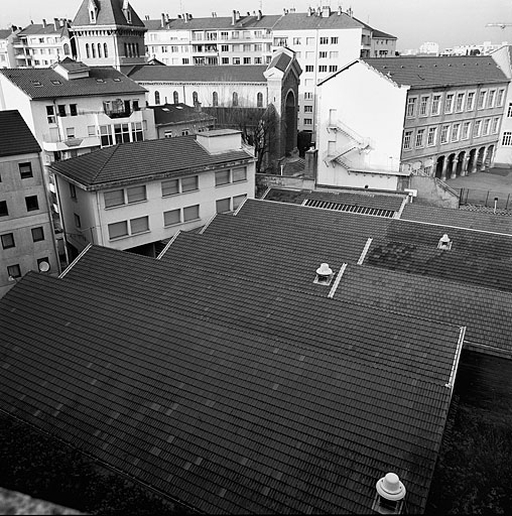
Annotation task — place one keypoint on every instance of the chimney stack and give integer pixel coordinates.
(238, 16)
(56, 24)
(233, 17)
(44, 23)
(326, 11)
(260, 15)
(390, 495)
(162, 22)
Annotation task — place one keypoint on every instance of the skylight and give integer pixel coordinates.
(37, 83)
(117, 79)
(56, 82)
(100, 80)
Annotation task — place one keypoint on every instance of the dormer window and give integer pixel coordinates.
(127, 11)
(324, 275)
(445, 244)
(93, 12)
(92, 16)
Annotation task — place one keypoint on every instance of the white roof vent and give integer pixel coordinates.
(323, 274)
(444, 243)
(390, 495)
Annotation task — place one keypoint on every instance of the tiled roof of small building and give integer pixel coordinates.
(110, 12)
(143, 161)
(227, 393)
(229, 74)
(43, 83)
(177, 113)
(16, 138)
(429, 72)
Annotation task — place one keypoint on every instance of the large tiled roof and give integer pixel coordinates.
(231, 394)
(43, 83)
(429, 72)
(16, 137)
(218, 22)
(230, 74)
(110, 12)
(302, 21)
(177, 113)
(5, 33)
(39, 28)
(143, 161)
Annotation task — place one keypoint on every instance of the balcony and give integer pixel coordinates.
(54, 142)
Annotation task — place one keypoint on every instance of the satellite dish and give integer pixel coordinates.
(416, 165)
(44, 266)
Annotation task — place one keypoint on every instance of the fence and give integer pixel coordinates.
(486, 198)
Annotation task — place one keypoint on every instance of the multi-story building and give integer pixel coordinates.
(7, 58)
(109, 33)
(137, 195)
(41, 45)
(436, 116)
(323, 39)
(26, 232)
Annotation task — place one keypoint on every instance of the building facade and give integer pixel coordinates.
(26, 231)
(137, 195)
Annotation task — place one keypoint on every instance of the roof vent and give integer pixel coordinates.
(323, 275)
(444, 243)
(390, 495)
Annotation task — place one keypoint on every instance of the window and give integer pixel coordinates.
(499, 98)
(106, 135)
(322, 68)
(221, 177)
(432, 136)
(238, 200)
(444, 133)
(37, 234)
(297, 41)
(407, 139)
(481, 99)
(32, 203)
(50, 115)
(93, 51)
(236, 60)
(91, 130)
(310, 68)
(477, 128)
(185, 61)
(105, 50)
(235, 99)
(224, 48)
(70, 132)
(491, 98)
(170, 187)
(61, 110)
(310, 41)
(172, 217)
(122, 133)
(308, 95)
(324, 41)
(507, 138)
(239, 174)
(466, 126)
(459, 102)
(448, 106)
(136, 194)
(424, 106)
(455, 132)
(189, 184)
(14, 271)
(334, 40)
(185, 132)
(333, 68)
(72, 191)
(139, 225)
(72, 110)
(308, 121)
(87, 50)
(436, 105)
(25, 170)
(225, 60)
(78, 222)
(137, 132)
(117, 230)
(247, 60)
(470, 101)
(215, 99)
(157, 97)
(223, 205)
(114, 198)
(3, 209)
(420, 134)
(322, 55)
(509, 110)
(191, 213)
(495, 125)
(486, 126)
(308, 109)
(411, 107)
(195, 97)
(7, 240)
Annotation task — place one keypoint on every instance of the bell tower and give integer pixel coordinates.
(108, 33)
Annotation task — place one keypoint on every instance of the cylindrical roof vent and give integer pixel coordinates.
(390, 495)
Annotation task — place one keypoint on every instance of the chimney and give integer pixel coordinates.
(238, 16)
(390, 495)
(162, 22)
(260, 15)
(185, 17)
(233, 17)
(310, 167)
(56, 24)
(444, 243)
(326, 11)
(323, 274)
(339, 10)
(44, 23)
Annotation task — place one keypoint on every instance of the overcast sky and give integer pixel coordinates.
(447, 22)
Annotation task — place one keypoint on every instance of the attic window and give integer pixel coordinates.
(324, 275)
(444, 243)
(37, 83)
(92, 15)
(56, 82)
(100, 80)
(117, 79)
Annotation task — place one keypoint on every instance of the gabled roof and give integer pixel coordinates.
(229, 393)
(218, 22)
(429, 72)
(16, 138)
(169, 114)
(143, 161)
(302, 21)
(35, 29)
(231, 74)
(43, 83)
(110, 12)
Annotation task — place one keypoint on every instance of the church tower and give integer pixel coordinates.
(109, 33)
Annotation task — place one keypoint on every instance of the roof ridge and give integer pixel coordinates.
(455, 227)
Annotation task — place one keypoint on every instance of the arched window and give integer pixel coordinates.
(157, 97)
(235, 98)
(66, 49)
(259, 100)
(175, 97)
(137, 47)
(105, 50)
(93, 50)
(99, 49)
(195, 98)
(87, 50)
(126, 49)
(215, 99)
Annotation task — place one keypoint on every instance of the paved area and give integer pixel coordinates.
(497, 180)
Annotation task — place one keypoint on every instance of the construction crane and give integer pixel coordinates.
(500, 25)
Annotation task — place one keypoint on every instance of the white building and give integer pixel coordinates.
(137, 195)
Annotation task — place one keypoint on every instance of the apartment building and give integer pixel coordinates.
(26, 232)
(432, 116)
(323, 40)
(7, 58)
(137, 195)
